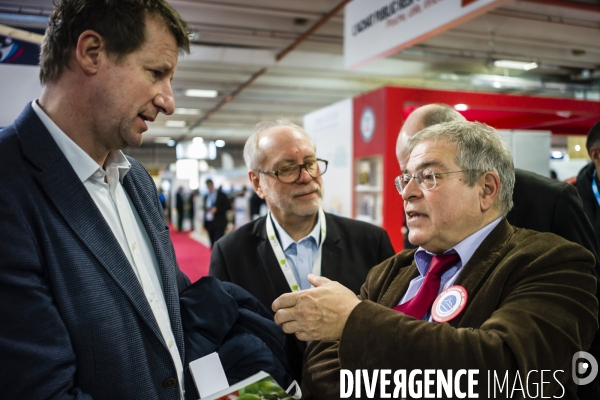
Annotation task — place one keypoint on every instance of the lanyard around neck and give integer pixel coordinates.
(595, 188)
(283, 264)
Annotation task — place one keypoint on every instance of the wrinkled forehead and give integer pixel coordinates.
(283, 142)
(435, 154)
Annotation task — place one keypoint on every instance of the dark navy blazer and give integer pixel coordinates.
(74, 321)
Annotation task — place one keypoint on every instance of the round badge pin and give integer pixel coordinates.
(449, 303)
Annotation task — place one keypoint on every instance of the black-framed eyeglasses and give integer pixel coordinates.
(425, 178)
(291, 173)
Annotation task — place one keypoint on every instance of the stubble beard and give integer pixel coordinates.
(289, 205)
(129, 137)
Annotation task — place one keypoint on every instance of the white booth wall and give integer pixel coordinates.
(331, 129)
(530, 149)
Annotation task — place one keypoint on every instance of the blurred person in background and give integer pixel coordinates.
(192, 208)
(587, 179)
(258, 206)
(216, 205)
(180, 207)
(163, 202)
(241, 201)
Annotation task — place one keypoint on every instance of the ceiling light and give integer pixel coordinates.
(220, 143)
(577, 147)
(187, 111)
(162, 139)
(515, 64)
(507, 81)
(171, 143)
(198, 140)
(175, 124)
(461, 107)
(201, 93)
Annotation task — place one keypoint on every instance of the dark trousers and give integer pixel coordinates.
(180, 220)
(216, 229)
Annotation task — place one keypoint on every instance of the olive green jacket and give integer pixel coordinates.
(531, 305)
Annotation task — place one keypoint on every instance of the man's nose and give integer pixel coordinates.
(165, 100)
(304, 176)
(412, 189)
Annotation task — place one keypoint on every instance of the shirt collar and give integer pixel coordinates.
(287, 241)
(117, 159)
(82, 163)
(465, 248)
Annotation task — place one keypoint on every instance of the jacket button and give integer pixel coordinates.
(169, 383)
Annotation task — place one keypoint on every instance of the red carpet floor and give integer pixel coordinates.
(193, 257)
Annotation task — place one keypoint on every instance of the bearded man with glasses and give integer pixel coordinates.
(478, 294)
(274, 254)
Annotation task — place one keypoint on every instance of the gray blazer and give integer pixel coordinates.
(75, 321)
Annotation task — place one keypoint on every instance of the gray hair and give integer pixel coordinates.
(440, 112)
(479, 148)
(253, 155)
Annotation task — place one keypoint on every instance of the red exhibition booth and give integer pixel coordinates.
(378, 116)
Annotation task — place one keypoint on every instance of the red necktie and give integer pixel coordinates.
(419, 305)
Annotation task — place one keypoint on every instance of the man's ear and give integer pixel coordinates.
(88, 52)
(595, 156)
(490, 185)
(255, 179)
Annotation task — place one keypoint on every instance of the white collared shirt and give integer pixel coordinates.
(105, 188)
(300, 255)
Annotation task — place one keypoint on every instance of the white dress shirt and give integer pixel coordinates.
(105, 188)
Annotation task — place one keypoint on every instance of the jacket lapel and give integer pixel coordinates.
(68, 194)
(332, 251)
(399, 285)
(275, 276)
(482, 263)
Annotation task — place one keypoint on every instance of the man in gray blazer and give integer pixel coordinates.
(89, 285)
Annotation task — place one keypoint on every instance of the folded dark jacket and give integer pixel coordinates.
(223, 317)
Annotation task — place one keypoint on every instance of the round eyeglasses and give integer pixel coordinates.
(291, 173)
(425, 178)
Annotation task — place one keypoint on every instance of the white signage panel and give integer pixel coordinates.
(377, 28)
(521, 142)
(331, 130)
(19, 84)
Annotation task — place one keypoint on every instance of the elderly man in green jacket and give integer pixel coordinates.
(480, 308)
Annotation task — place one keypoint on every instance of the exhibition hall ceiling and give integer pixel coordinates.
(236, 39)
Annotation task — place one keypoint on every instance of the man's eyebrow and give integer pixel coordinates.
(283, 162)
(292, 161)
(164, 68)
(427, 164)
